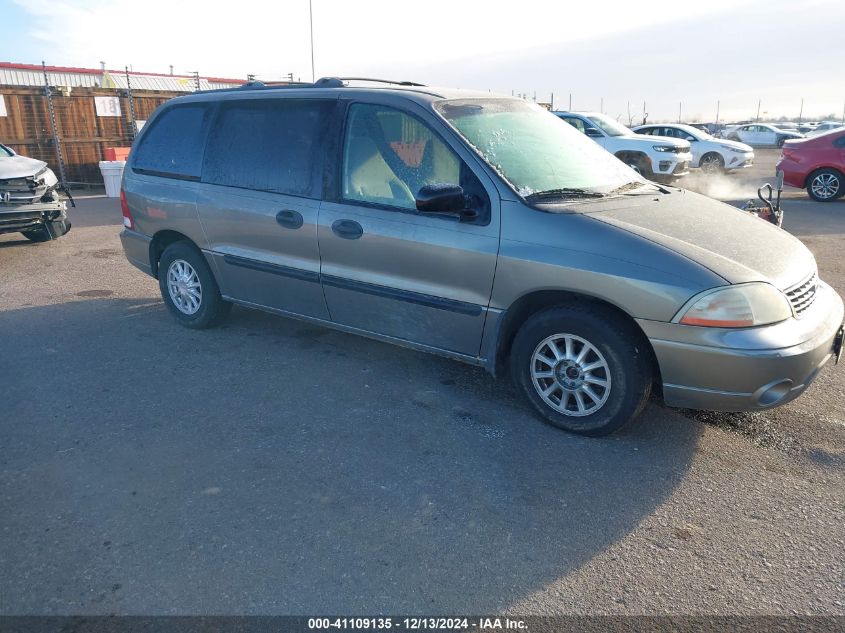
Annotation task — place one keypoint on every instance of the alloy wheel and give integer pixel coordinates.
(825, 186)
(184, 287)
(570, 374)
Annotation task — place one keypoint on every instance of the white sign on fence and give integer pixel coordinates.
(107, 106)
(3, 106)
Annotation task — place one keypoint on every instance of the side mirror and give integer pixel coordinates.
(593, 132)
(445, 199)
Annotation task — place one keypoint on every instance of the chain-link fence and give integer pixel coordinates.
(72, 128)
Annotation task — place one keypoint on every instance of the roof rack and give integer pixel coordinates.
(380, 81)
(323, 82)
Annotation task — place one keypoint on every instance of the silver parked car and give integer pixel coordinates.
(479, 228)
(29, 198)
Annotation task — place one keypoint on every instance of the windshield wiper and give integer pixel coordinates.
(635, 186)
(565, 192)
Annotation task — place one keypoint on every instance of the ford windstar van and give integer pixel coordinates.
(481, 228)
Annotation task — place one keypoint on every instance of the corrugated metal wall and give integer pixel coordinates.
(108, 79)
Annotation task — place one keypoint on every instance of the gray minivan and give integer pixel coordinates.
(481, 228)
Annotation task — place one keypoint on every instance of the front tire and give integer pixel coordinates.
(825, 185)
(638, 163)
(584, 369)
(712, 163)
(37, 236)
(189, 289)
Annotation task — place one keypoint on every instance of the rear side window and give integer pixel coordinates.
(267, 145)
(173, 146)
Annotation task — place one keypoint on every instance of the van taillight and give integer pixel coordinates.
(128, 222)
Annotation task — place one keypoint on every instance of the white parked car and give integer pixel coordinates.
(762, 135)
(827, 126)
(656, 158)
(708, 153)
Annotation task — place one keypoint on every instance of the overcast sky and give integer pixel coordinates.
(668, 54)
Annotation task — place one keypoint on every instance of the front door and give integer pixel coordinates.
(388, 269)
(259, 199)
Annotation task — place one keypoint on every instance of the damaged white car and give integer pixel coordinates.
(29, 198)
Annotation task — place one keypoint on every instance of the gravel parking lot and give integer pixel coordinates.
(273, 467)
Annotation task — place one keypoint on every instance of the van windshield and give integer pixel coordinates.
(537, 153)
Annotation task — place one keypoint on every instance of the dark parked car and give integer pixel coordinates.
(480, 228)
(816, 164)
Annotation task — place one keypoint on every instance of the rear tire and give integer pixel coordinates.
(825, 185)
(189, 289)
(598, 380)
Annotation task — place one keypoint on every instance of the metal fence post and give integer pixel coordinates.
(131, 105)
(53, 128)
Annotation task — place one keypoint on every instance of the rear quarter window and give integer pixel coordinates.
(173, 146)
(267, 145)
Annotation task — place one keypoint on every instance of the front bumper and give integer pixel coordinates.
(17, 218)
(742, 160)
(746, 369)
(670, 164)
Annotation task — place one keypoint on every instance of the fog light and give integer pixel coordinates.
(665, 164)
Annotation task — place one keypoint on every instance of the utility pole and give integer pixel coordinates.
(801, 111)
(759, 101)
(570, 102)
(718, 103)
(680, 110)
(553, 102)
(311, 25)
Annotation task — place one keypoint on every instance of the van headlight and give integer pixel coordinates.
(663, 148)
(744, 305)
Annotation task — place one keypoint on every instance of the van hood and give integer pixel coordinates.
(734, 244)
(19, 167)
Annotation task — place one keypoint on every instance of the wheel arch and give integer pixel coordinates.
(533, 302)
(713, 152)
(161, 240)
(624, 154)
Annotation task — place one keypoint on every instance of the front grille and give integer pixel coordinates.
(18, 191)
(803, 295)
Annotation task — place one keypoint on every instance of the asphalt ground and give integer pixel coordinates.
(273, 467)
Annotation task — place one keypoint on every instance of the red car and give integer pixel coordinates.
(817, 164)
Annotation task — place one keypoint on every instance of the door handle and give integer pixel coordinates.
(289, 218)
(347, 229)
